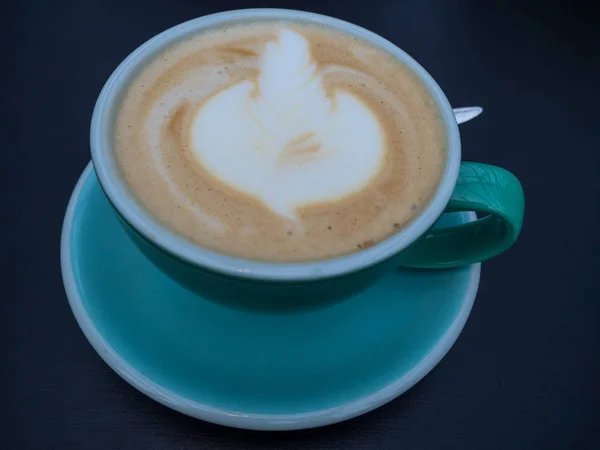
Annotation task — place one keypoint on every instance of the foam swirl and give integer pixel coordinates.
(282, 139)
(251, 142)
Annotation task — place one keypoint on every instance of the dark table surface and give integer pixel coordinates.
(524, 373)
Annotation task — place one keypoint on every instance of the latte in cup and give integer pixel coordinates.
(280, 141)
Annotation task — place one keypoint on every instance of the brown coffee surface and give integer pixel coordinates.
(152, 146)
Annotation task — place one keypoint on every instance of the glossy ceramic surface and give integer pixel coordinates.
(249, 367)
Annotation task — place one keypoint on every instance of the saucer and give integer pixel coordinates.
(250, 368)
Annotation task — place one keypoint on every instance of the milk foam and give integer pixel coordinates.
(282, 139)
(252, 112)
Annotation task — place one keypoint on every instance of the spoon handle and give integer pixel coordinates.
(467, 113)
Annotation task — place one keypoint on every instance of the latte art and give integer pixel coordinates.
(279, 141)
(281, 137)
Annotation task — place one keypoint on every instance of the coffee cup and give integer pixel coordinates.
(463, 186)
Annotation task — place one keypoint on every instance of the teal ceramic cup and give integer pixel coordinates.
(490, 191)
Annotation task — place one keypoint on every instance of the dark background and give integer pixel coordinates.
(523, 375)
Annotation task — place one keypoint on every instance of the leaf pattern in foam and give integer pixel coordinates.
(291, 100)
(286, 137)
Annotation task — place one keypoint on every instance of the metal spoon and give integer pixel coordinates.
(467, 113)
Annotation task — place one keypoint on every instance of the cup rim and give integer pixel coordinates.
(133, 213)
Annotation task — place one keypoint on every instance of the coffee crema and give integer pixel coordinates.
(280, 141)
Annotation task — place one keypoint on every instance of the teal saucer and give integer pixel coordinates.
(247, 368)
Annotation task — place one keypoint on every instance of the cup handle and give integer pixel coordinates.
(485, 189)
